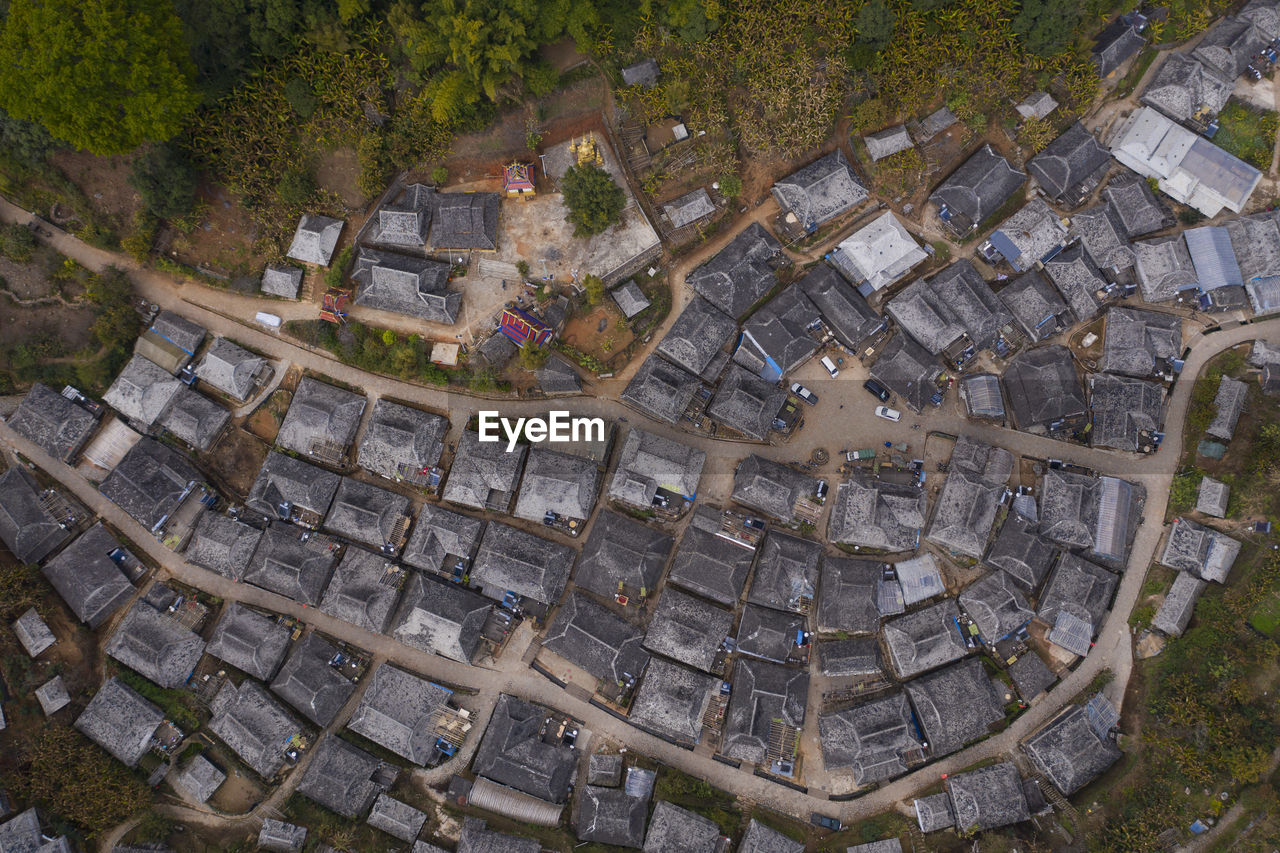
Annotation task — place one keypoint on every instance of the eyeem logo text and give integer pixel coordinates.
(556, 427)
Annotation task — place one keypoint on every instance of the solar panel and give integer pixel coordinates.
(1103, 716)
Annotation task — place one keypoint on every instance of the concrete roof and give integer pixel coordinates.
(769, 634)
(120, 721)
(156, 646)
(660, 389)
(1179, 604)
(820, 191)
(254, 725)
(673, 828)
(1036, 305)
(593, 637)
(847, 595)
(979, 186)
(1069, 752)
(286, 564)
(671, 700)
(1070, 164)
(762, 694)
(1200, 550)
(396, 712)
(513, 753)
(778, 333)
(284, 479)
(27, 528)
(1022, 553)
(955, 706)
(340, 777)
(253, 642)
(908, 370)
(315, 239)
(874, 513)
(483, 473)
(513, 560)
(996, 606)
(416, 287)
(740, 273)
(879, 253)
(988, 797)
(924, 639)
(320, 414)
(1079, 588)
(441, 617)
(400, 440)
(1124, 410)
(57, 425)
(1139, 342)
(1042, 386)
(871, 739)
(367, 514)
(622, 552)
(746, 403)
(364, 590)
(231, 369)
(650, 461)
(687, 629)
(770, 487)
(150, 483)
(697, 336)
(786, 576)
(143, 391)
(397, 819)
(845, 312)
(280, 280)
(86, 577)
(556, 482)
(709, 564)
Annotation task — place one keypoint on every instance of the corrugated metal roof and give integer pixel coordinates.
(982, 396)
(1071, 633)
(1112, 531)
(512, 803)
(1213, 257)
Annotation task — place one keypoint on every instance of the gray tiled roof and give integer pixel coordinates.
(1124, 409)
(933, 813)
(366, 513)
(629, 298)
(1164, 267)
(403, 221)
(988, 797)
(364, 590)
(979, 186)
(286, 480)
(966, 508)
(1069, 508)
(33, 633)
(280, 280)
(671, 700)
(1179, 604)
(1255, 240)
(1071, 164)
(174, 335)
(611, 816)
(1030, 234)
(1022, 553)
(820, 191)
(558, 376)
(856, 656)
(340, 777)
(27, 528)
(513, 753)
(511, 560)
(924, 639)
(254, 725)
(622, 553)
(1136, 206)
(933, 124)
(763, 693)
(710, 565)
(924, 313)
(232, 369)
(786, 576)
(418, 287)
(143, 391)
(155, 645)
(288, 565)
(1212, 497)
(466, 220)
(279, 836)
(871, 739)
(1042, 386)
(438, 533)
(1103, 244)
(996, 605)
(86, 577)
(592, 637)
(1078, 279)
(908, 370)
(955, 705)
(320, 414)
(1139, 342)
(660, 389)
(688, 208)
(1117, 42)
(309, 684)
(1228, 404)
(771, 487)
(1036, 305)
(195, 419)
(52, 696)
(1200, 550)
(697, 336)
(400, 440)
(768, 634)
(1030, 675)
(1069, 752)
(740, 273)
(889, 141)
(200, 778)
(687, 629)
(844, 310)
(483, 473)
(779, 331)
(1079, 588)
(120, 721)
(673, 828)
(441, 617)
(847, 595)
(315, 239)
(556, 482)
(1184, 88)
(253, 642)
(476, 838)
(150, 483)
(1229, 46)
(650, 461)
(55, 424)
(874, 513)
(746, 403)
(397, 819)
(396, 712)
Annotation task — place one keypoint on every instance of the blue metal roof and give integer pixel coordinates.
(1213, 257)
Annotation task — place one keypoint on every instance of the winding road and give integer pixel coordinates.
(231, 315)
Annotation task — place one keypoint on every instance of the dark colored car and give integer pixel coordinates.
(882, 393)
(825, 822)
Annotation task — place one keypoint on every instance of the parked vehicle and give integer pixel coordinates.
(804, 393)
(830, 366)
(882, 393)
(858, 455)
(888, 414)
(825, 822)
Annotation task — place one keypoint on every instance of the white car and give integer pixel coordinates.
(888, 414)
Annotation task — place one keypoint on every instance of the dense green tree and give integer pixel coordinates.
(532, 356)
(296, 187)
(24, 141)
(166, 180)
(692, 20)
(875, 24)
(103, 75)
(595, 202)
(593, 285)
(1047, 27)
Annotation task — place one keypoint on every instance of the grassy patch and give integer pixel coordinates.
(1184, 491)
(1140, 65)
(699, 797)
(1266, 616)
(882, 826)
(1248, 133)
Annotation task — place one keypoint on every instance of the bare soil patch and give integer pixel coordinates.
(67, 326)
(105, 181)
(236, 460)
(337, 172)
(265, 421)
(598, 332)
(30, 280)
(225, 240)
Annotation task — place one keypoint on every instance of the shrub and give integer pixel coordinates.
(301, 97)
(533, 356)
(594, 287)
(17, 243)
(439, 175)
(595, 202)
(296, 187)
(166, 180)
(731, 187)
(522, 267)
